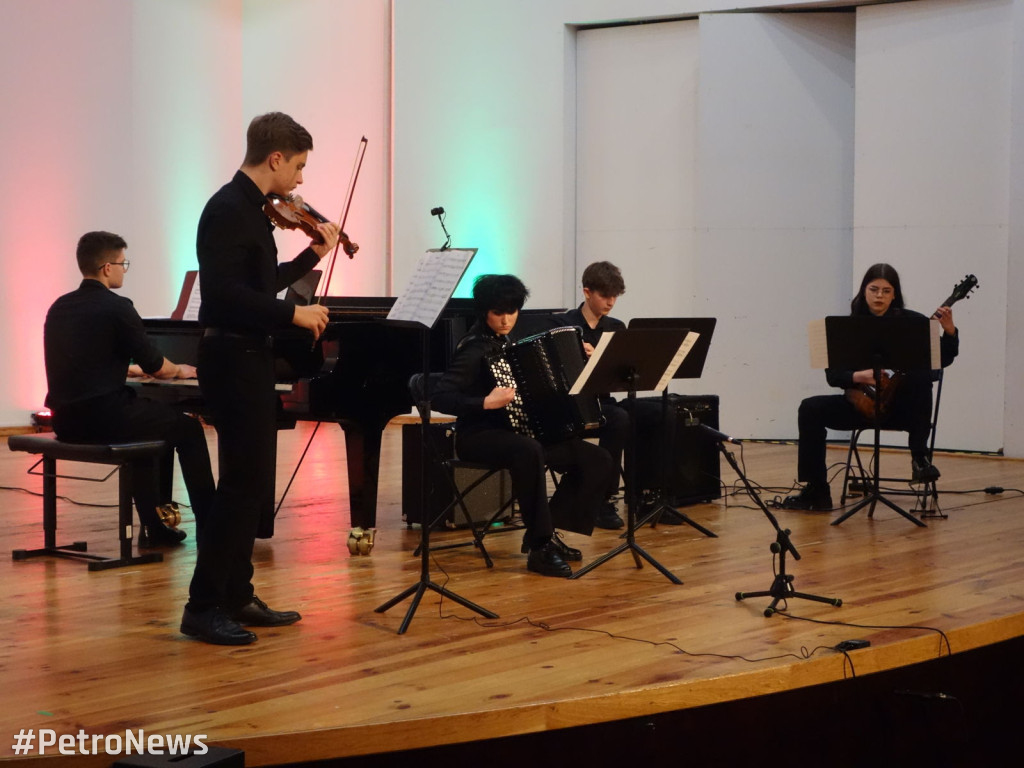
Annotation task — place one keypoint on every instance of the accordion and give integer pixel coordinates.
(543, 368)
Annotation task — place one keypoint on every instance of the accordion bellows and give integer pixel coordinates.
(542, 369)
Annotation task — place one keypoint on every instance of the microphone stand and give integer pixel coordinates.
(439, 212)
(782, 585)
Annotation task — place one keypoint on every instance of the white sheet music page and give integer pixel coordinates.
(192, 308)
(431, 285)
(602, 345)
(817, 343)
(677, 360)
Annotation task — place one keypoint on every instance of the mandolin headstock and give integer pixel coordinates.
(961, 291)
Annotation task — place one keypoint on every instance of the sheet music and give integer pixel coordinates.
(677, 360)
(935, 328)
(431, 285)
(602, 345)
(817, 343)
(192, 308)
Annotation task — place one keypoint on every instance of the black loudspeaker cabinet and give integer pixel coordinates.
(694, 466)
(484, 500)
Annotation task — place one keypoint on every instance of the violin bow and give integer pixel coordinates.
(356, 166)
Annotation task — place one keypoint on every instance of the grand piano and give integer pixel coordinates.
(355, 375)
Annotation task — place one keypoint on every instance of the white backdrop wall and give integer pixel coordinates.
(782, 232)
(932, 179)
(127, 115)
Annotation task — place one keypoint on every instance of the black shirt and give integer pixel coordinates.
(605, 323)
(239, 277)
(90, 337)
(469, 380)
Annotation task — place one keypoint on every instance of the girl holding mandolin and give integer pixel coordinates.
(905, 398)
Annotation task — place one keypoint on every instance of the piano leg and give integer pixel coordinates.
(362, 448)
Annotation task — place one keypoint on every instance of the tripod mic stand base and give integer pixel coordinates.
(782, 589)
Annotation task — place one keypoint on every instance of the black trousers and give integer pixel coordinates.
(124, 417)
(581, 489)
(910, 411)
(236, 376)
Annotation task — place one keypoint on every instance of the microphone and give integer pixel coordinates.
(720, 437)
(439, 212)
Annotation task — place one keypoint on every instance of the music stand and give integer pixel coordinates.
(431, 286)
(895, 343)
(628, 361)
(691, 368)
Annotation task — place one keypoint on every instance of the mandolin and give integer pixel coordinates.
(862, 397)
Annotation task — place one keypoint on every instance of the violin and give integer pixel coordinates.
(294, 213)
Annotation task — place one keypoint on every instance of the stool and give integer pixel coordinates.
(120, 455)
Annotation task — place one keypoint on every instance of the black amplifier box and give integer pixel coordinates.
(679, 457)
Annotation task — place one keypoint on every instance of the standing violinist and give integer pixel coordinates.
(240, 278)
(910, 409)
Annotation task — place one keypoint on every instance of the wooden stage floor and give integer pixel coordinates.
(101, 653)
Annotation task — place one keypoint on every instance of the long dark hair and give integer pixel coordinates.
(878, 272)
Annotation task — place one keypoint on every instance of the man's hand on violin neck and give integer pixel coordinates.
(329, 231)
(312, 317)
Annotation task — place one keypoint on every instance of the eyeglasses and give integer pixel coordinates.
(123, 264)
(876, 291)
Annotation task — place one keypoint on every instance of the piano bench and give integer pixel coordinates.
(120, 455)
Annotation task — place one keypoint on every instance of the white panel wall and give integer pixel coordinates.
(636, 146)
(932, 179)
(1013, 414)
(775, 174)
(327, 63)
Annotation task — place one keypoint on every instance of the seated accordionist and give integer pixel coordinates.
(484, 434)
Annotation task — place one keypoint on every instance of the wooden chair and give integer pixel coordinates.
(119, 455)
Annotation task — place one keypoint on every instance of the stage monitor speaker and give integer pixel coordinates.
(694, 468)
(486, 499)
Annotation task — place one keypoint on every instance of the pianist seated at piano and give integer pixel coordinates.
(90, 337)
(484, 434)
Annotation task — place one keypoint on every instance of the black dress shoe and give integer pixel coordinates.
(547, 561)
(213, 626)
(608, 519)
(159, 535)
(813, 497)
(924, 471)
(255, 613)
(567, 553)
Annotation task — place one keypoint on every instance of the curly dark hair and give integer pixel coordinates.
(503, 294)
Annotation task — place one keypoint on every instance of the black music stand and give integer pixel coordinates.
(880, 343)
(691, 368)
(628, 361)
(437, 275)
